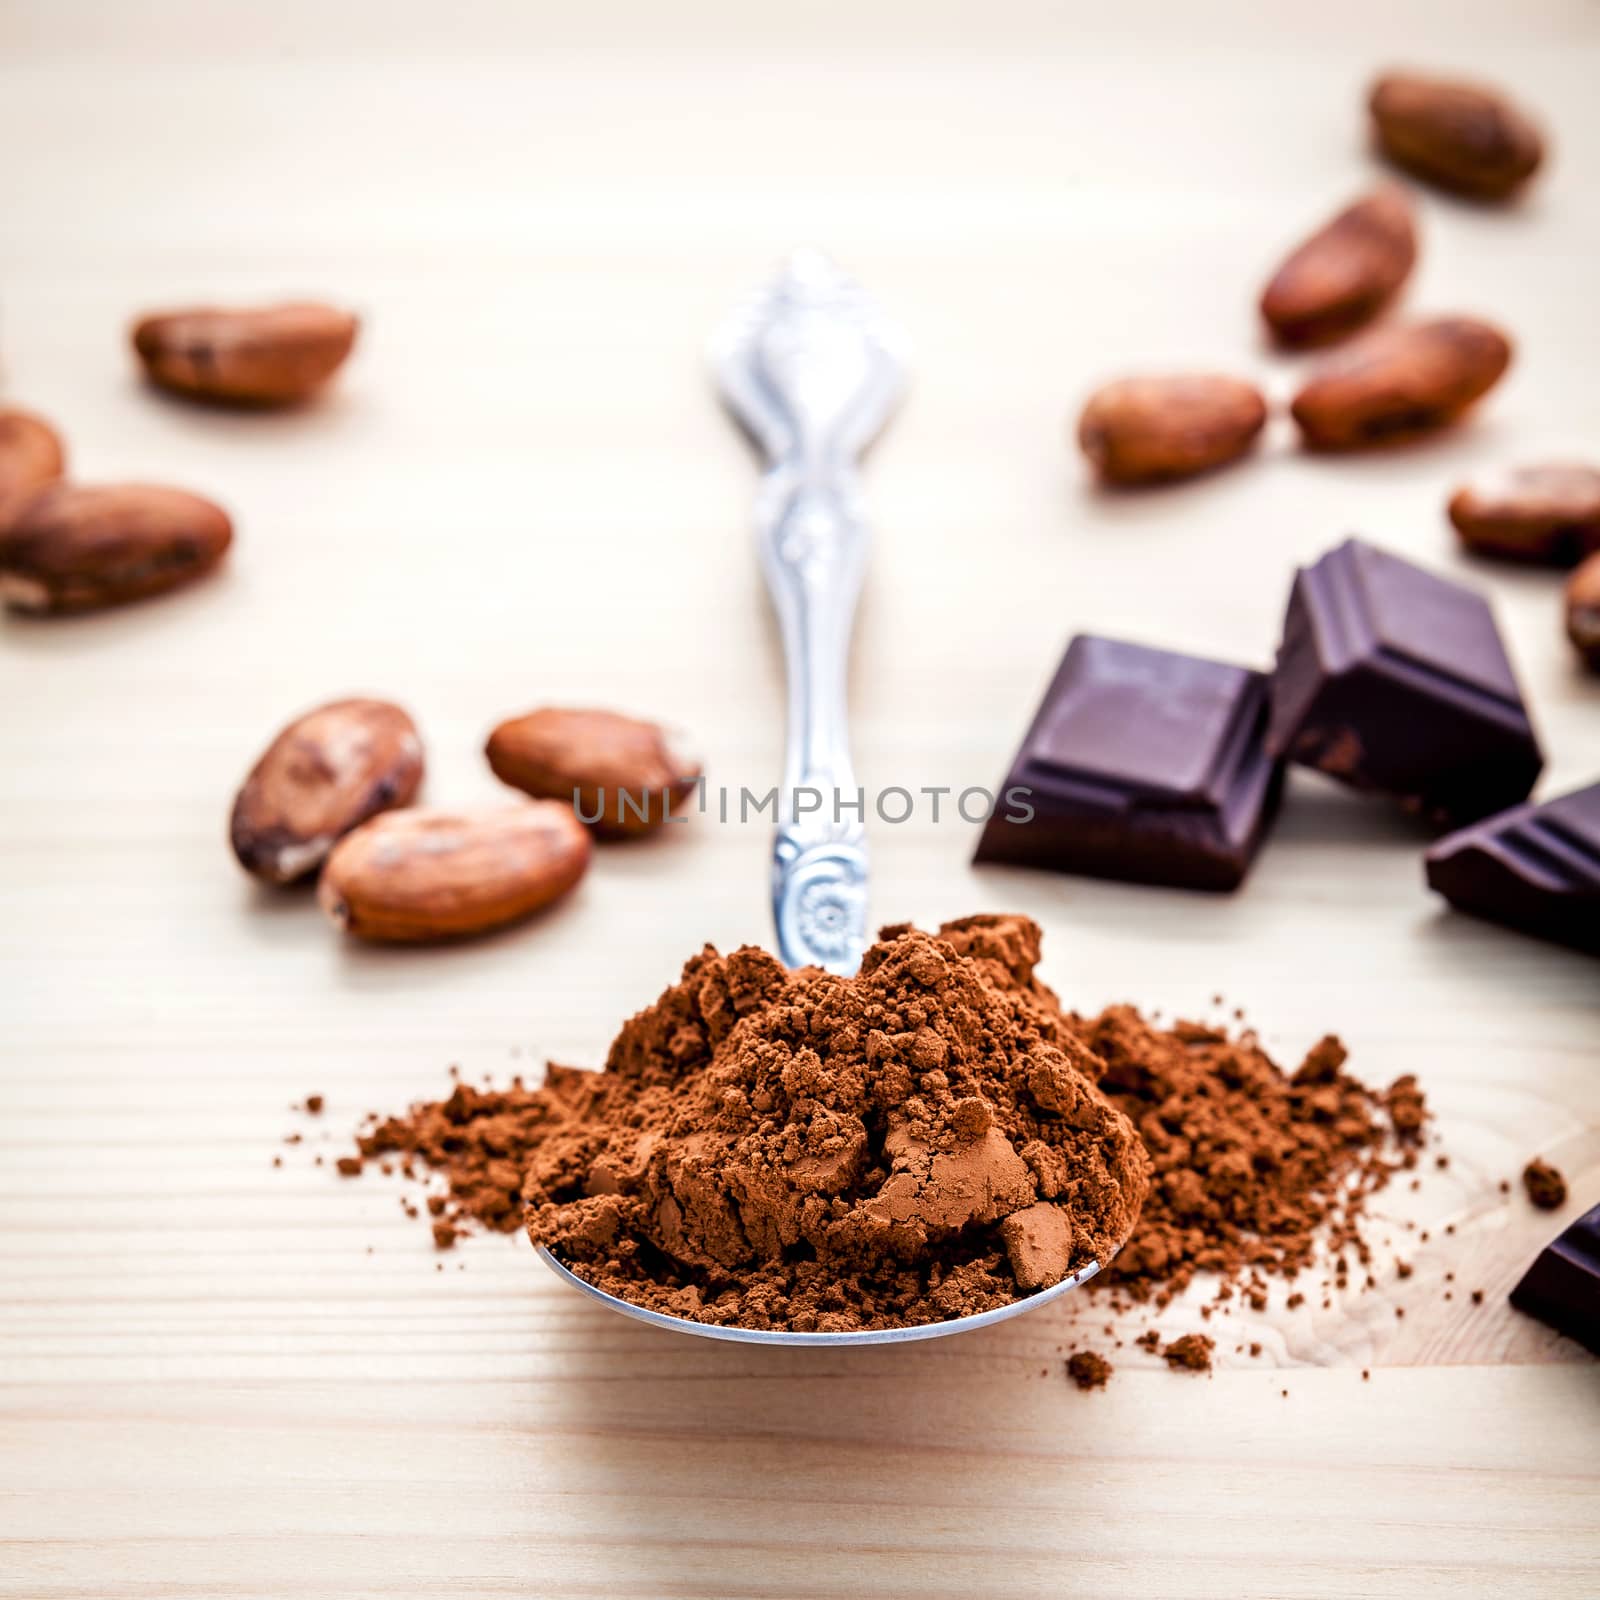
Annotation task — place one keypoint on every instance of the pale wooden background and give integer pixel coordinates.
(523, 492)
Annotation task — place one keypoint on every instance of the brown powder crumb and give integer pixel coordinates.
(277, 1161)
(1403, 1269)
(444, 1234)
(1400, 1311)
(1255, 1350)
(1088, 1370)
(349, 1166)
(1191, 1353)
(1407, 1110)
(1546, 1187)
(1477, 1297)
(1295, 1301)
(314, 1104)
(1505, 1186)
(1149, 1340)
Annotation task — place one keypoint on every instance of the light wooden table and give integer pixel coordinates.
(218, 1378)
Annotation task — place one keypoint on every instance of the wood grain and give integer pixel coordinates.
(220, 1377)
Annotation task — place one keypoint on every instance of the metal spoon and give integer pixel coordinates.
(811, 368)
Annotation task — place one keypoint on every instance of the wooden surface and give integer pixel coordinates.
(218, 1378)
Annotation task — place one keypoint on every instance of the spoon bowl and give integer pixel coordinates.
(925, 1330)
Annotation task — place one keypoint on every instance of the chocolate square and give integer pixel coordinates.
(1394, 679)
(1536, 868)
(1562, 1287)
(1140, 765)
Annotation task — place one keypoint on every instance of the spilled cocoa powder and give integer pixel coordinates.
(1189, 1353)
(1545, 1185)
(1256, 1170)
(934, 1137)
(480, 1140)
(1088, 1369)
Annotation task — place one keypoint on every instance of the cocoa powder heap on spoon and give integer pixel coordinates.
(801, 1151)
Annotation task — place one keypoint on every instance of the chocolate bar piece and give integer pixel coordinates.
(1391, 678)
(1562, 1287)
(1140, 765)
(1536, 868)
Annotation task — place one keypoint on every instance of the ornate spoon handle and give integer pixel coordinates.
(813, 549)
(809, 367)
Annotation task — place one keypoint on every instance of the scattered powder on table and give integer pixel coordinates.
(795, 1150)
(480, 1140)
(1191, 1353)
(1088, 1369)
(1546, 1187)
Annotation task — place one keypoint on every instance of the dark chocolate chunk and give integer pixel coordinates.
(1140, 765)
(1391, 678)
(1536, 868)
(1562, 1287)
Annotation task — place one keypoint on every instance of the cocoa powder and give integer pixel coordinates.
(1256, 1170)
(480, 1140)
(931, 1138)
(807, 1152)
(1088, 1369)
(1545, 1185)
(1190, 1353)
